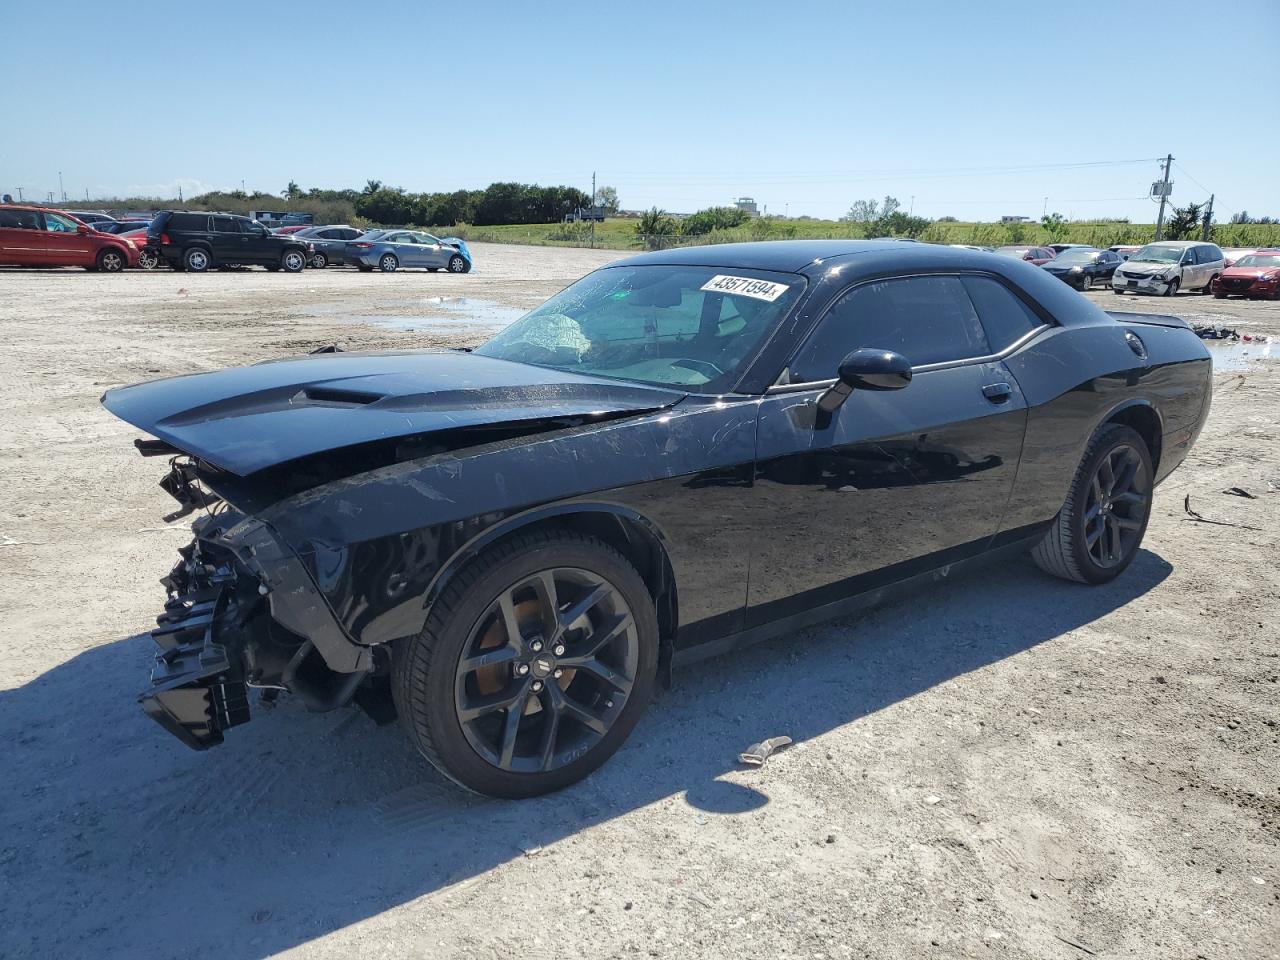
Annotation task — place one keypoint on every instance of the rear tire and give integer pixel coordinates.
(1208, 287)
(110, 260)
(1099, 529)
(364, 269)
(388, 263)
(551, 730)
(148, 260)
(196, 260)
(319, 261)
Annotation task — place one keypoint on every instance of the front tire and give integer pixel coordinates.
(110, 260)
(533, 667)
(293, 261)
(388, 263)
(1086, 283)
(1172, 289)
(1098, 531)
(196, 260)
(458, 264)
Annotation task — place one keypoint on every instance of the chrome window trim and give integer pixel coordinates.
(922, 368)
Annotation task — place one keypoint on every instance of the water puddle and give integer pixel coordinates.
(422, 313)
(1239, 354)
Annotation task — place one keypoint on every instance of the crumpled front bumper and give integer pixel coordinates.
(241, 610)
(196, 690)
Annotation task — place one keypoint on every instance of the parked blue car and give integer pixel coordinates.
(389, 250)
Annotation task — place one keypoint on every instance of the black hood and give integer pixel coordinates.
(247, 419)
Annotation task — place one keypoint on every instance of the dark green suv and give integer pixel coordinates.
(199, 241)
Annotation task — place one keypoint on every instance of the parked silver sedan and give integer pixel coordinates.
(389, 250)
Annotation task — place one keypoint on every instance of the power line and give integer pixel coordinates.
(1202, 186)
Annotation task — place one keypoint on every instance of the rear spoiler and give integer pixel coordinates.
(1149, 319)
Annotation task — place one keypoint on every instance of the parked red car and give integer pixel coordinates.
(1253, 275)
(1037, 255)
(36, 237)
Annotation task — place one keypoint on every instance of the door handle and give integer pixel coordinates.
(997, 392)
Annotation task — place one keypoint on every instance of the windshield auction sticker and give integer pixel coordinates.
(746, 287)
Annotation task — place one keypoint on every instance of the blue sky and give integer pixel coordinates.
(806, 107)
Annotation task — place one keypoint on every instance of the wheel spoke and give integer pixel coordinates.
(550, 731)
(507, 613)
(1106, 475)
(511, 727)
(1113, 539)
(597, 641)
(604, 672)
(1092, 513)
(1097, 490)
(1124, 523)
(581, 608)
(1091, 539)
(574, 710)
(483, 706)
(1129, 496)
(489, 658)
(545, 586)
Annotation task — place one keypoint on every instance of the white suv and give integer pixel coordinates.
(1168, 266)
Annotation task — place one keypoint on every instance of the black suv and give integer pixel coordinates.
(198, 241)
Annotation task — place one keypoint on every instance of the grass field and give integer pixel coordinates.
(620, 233)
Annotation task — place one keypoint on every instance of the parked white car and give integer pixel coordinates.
(1168, 266)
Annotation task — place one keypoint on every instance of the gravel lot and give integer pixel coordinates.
(1005, 766)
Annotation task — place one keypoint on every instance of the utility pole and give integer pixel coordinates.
(911, 210)
(1208, 220)
(20, 200)
(1164, 195)
(61, 189)
(1045, 212)
(593, 209)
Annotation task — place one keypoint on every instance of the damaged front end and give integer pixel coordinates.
(241, 612)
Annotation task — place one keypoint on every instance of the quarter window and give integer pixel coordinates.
(1004, 316)
(926, 319)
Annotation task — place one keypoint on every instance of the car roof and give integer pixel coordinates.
(787, 256)
(1180, 243)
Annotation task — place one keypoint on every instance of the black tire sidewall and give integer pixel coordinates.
(383, 260)
(460, 259)
(319, 261)
(1108, 438)
(284, 261)
(432, 659)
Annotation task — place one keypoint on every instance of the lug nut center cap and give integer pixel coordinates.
(542, 667)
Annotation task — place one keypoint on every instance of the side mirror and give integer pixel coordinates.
(866, 368)
(82, 229)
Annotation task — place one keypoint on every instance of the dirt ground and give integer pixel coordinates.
(1006, 766)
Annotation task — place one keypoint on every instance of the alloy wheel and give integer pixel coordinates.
(457, 265)
(111, 262)
(1086, 282)
(1116, 508)
(546, 671)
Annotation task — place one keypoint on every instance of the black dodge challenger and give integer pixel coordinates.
(682, 452)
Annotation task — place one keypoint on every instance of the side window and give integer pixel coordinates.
(56, 223)
(19, 219)
(331, 235)
(348, 234)
(225, 225)
(926, 319)
(1003, 314)
(1217, 252)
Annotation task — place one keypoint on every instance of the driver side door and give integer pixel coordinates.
(891, 484)
(65, 245)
